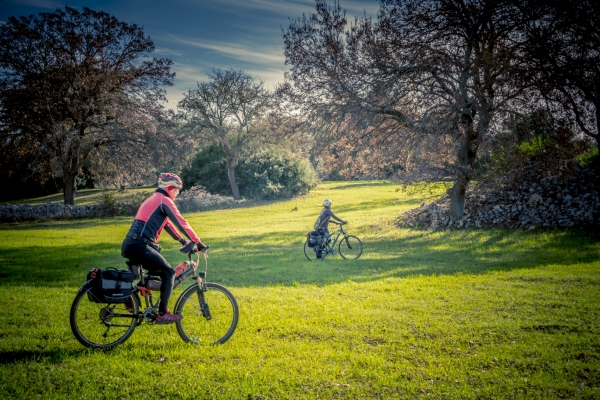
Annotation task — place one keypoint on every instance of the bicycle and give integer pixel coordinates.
(211, 319)
(350, 247)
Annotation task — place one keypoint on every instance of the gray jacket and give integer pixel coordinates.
(323, 221)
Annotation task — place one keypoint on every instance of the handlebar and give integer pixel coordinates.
(196, 250)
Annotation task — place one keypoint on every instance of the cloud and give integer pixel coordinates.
(288, 8)
(168, 52)
(247, 53)
(189, 74)
(282, 7)
(270, 76)
(46, 4)
(359, 7)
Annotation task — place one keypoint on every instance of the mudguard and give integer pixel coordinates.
(85, 286)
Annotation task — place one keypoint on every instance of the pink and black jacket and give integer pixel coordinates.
(158, 212)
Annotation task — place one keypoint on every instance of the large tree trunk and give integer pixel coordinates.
(231, 164)
(465, 158)
(69, 189)
(457, 198)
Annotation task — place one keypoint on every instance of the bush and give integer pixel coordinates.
(208, 169)
(268, 175)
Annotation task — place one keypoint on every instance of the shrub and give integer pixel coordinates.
(208, 169)
(269, 174)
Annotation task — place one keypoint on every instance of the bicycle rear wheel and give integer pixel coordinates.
(195, 327)
(309, 252)
(350, 247)
(102, 325)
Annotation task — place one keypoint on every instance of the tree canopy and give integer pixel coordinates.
(436, 81)
(564, 53)
(75, 87)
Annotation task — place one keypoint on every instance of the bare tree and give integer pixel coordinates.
(437, 76)
(564, 52)
(64, 76)
(142, 142)
(228, 110)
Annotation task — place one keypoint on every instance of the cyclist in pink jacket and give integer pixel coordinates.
(158, 212)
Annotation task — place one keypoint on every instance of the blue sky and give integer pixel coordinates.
(200, 34)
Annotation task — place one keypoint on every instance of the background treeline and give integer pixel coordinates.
(435, 89)
(453, 89)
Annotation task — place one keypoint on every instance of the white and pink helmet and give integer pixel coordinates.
(167, 180)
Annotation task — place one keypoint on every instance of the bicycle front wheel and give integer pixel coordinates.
(102, 325)
(350, 247)
(214, 324)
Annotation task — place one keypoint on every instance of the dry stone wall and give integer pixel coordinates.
(26, 212)
(550, 203)
(190, 200)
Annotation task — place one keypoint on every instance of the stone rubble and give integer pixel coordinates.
(197, 197)
(549, 203)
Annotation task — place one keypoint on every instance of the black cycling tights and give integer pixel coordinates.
(155, 263)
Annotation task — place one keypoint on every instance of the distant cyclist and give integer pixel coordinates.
(158, 212)
(321, 225)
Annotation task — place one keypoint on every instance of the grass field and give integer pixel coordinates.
(470, 314)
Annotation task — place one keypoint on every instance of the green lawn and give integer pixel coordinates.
(461, 314)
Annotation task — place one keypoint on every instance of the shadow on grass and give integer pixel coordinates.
(421, 253)
(278, 258)
(52, 356)
(55, 266)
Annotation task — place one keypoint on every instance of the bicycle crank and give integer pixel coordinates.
(150, 315)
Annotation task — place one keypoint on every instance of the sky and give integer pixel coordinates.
(198, 35)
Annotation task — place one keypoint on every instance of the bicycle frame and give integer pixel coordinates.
(151, 309)
(330, 243)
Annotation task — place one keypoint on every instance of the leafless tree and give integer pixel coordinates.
(564, 52)
(435, 76)
(228, 110)
(142, 142)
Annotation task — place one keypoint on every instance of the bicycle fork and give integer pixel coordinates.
(201, 299)
(347, 242)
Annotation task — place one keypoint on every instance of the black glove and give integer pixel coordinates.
(182, 240)
(201, 246)
(187, 247)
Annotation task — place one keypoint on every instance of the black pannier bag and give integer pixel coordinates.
(314, 239)
(110, 285)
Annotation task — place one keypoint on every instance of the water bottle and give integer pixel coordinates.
(181, 267)
(183, 276)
